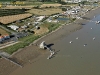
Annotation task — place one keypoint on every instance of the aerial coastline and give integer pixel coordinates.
(60, 33)
(33, 53)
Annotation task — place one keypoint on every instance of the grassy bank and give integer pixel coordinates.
(29, 39)
(22, 43)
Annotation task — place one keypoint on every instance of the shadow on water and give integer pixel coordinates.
(49, 45)
(83, 24)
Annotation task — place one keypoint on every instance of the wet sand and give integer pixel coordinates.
(35, 61)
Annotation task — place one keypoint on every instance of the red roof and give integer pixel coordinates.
(1, 37)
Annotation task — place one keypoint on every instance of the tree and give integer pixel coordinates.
(84, 2)
(64, 9)
(59, 1)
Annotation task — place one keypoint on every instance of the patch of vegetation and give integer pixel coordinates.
(64, 9)
(85, 2)
(51, 26)
(72, 19)
(25, 41)
(37, 7)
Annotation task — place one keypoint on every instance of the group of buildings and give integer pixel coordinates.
(4, 37)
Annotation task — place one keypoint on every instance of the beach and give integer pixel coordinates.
(32, 55)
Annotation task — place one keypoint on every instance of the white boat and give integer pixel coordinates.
(77, 38)
(85, 44)
(97, 22)
(94, 38)
(70, 42)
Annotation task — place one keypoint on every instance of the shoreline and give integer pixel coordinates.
(26, 52)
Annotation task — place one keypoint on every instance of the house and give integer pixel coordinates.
(55, 16)
(6, 36)
(35, 23)
(28, 23)
(14, 27)
(24, 26)
(49, 20)
(1, 38)
(40, 18)
(72, 12)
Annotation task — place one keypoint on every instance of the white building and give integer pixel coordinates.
(14, 27)
(40, 18)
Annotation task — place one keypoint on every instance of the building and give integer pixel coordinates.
(6, 36)
(14, 27)
(40, 18)
(1, 38)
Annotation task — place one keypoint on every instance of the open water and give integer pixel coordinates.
(72, 58)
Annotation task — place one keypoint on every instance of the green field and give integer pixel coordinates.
(15, 0)
(7, 12)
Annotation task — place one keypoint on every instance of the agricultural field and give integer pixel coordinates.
(19, 7)
(7, 12)
(50, 5)
(10, 19)
(48, 11)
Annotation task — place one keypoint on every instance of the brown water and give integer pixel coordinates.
(71, 59)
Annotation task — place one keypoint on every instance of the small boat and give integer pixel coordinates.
(77, 38)
(70, 42)
(94, 38)
(85, 44)
(97, 22)
(91, 28)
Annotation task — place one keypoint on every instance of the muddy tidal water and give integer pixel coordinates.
(81, 57)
